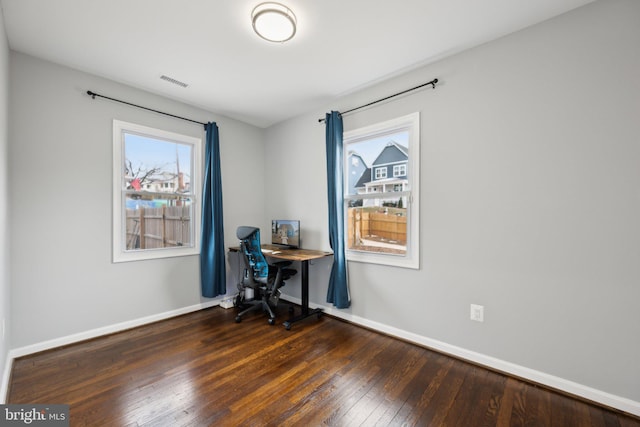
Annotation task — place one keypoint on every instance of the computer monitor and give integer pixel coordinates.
(286, 233)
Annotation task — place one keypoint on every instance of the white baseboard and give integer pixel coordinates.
(561, 384)
(94, 333)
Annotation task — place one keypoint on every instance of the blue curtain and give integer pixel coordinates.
(338, 292)
(213, 273)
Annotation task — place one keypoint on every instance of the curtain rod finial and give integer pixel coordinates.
(91, 94)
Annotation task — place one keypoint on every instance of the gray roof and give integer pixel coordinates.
(392, 153)
(364, 178)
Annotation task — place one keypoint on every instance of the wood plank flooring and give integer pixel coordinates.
(203, 369)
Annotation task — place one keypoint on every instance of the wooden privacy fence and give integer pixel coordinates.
(363, 223)
(164, 227)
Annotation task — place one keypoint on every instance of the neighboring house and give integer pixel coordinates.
(357, 166)
(163, 182)
(387, 174)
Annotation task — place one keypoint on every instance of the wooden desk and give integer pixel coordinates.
(303, 256)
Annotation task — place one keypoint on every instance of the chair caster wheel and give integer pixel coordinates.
(272, 321)
(238, 319)
(287, 326)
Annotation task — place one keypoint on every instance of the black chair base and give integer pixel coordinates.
(256, 305)
(266, 305)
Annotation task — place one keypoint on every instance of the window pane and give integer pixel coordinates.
(377, 222)
(157, 177)
(158, 221)
(379, 229)
(155, 165)
(377, 164)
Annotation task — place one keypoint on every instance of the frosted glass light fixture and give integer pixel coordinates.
(273, 22)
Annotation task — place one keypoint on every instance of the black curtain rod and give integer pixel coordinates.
(432, 83)
(93, 95)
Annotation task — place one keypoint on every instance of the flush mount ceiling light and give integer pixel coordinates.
(274, 22)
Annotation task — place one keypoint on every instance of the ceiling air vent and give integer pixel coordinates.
(174, 81)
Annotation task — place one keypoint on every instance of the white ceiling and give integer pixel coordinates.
(340, 46)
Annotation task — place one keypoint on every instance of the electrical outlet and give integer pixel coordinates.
(477, 313)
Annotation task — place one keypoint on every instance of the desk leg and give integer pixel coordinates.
(305, 288)
(306, 312)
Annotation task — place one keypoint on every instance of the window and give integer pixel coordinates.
(381, 173)
(399, 170)
(156, 180)
(381, 213)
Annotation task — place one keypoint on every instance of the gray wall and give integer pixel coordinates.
(529, 199)
(63, 280)
(4, 200)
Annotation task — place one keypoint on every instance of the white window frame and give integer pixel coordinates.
(410, 122)
(120, 254)
(399, 170)
(381, 172)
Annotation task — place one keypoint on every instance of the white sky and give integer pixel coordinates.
(151, 153)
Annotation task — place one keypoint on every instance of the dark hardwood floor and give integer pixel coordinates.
(203, 369)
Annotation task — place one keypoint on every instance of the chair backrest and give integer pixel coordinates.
(252, 252)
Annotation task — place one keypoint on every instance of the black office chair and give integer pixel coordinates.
(264, 279)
